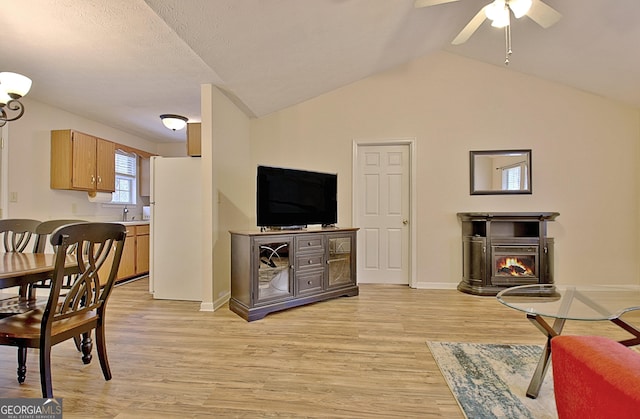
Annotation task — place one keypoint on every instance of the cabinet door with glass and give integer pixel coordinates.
(275, 279)
(341, 260)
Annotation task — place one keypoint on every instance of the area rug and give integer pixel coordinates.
(490, 380)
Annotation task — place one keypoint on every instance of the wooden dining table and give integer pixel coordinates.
(17, 269)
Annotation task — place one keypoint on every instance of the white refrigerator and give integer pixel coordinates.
(175, 271)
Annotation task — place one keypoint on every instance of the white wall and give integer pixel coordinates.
(585, 154)
(233, 183)
(29, 151)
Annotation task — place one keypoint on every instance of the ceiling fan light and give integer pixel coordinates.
(502, 19)
(173, 122)
(14, 84)
(494, 10)
(520, 7)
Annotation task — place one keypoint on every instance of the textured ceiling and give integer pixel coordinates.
(124, 62)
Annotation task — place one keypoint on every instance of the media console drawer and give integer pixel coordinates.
(309, 262)
(310, 281)
(310, 243)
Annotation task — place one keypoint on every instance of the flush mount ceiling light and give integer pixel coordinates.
(499, 13)
(173, 122)
(13, 86)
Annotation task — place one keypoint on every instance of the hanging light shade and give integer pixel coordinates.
(14, 84)
(494, 9)
(12, 87)
(498, 13)
(520, 7)
(173, 122)
(4, 98)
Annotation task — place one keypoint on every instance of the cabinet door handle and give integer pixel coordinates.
(93, 179)
(99, 179)
(310, 262)
(309, 282)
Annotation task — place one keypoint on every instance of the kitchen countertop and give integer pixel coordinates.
(132, 222)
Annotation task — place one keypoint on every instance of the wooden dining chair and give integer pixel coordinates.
(18, 235)
(80, 310)
(43, 233)
(44, 229)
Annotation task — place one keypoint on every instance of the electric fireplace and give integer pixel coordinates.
(514, 265)
(502, 250)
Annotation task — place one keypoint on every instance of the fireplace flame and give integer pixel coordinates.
(514, 267)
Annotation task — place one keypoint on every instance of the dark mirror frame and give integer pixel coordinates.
(495, 160)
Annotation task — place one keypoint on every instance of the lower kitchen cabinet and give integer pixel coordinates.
(135, 254)
(128, 262)
(142, 249)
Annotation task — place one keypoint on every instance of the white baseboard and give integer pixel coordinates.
(213, 306)
(206, 306)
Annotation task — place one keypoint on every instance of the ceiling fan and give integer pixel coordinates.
(499, 12)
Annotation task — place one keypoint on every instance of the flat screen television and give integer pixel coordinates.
(295, 198)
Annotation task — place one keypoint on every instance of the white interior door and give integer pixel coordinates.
(383, 213)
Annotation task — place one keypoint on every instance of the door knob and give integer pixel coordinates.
(405, 222)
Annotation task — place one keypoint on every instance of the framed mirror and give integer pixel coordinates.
(495, 172)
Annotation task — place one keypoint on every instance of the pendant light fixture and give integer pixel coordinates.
(13, 86)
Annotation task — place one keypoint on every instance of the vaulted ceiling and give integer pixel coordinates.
(125, 62)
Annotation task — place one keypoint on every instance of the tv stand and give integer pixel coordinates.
(277, 270)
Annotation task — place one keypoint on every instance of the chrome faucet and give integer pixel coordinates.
(125, 211)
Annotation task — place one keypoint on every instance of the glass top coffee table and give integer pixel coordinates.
(586, 303)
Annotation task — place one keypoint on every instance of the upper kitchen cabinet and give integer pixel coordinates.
(194, 139)
(145, 176)
(82, 162)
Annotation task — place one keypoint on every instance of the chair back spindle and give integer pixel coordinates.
(17, 233)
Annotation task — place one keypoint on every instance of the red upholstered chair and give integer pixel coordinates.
(595, 377)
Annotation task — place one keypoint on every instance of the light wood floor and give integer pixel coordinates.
(358, 357)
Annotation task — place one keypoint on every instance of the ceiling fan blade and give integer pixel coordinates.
(427, 3)
(543, 14)
(471, 27)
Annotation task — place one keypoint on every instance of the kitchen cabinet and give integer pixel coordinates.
(135, 254)
(127, 266)
(142, 249)
(276, 270)
(82, 162)
(194, 139)
(145, 176)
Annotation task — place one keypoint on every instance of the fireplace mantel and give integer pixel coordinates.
(520, 216)
(488, 238)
